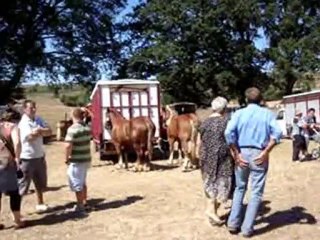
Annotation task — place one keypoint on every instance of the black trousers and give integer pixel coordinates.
(15, 200)
(298, 144)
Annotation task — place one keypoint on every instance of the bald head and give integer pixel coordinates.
(253, 95)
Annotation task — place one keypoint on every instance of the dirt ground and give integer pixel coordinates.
(166, 203)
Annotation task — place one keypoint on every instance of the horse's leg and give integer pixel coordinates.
(148, 153)
(142, 158)
(186, 160)
(120, 157)
(137, 149)
(125, 159)
(180, 152)
(191, 151)
(171, 149)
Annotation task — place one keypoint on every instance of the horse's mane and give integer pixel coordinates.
(116, 113)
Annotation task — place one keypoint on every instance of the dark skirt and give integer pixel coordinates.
(8, 179)
(219, 184)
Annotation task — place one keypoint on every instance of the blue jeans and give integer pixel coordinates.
(258, 178)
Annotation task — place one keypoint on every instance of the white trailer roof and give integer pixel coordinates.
(302, 94)
(122, 82)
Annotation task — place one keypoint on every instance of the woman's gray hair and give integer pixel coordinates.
(219, 104)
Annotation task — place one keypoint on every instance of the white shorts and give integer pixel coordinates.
(77, 174)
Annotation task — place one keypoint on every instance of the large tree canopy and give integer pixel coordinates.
(293, 28)
(201, 48)
(62, 39)
(206, 48)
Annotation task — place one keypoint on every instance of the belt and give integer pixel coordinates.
(252, 147)
(30, 159)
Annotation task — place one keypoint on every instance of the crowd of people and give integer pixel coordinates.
(22, 158)
(231, 150)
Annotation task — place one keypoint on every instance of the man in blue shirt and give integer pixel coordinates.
(251, 134)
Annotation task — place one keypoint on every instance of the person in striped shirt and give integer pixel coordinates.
(78, 158)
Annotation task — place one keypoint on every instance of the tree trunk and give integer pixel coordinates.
(290, 81)
(16, 78)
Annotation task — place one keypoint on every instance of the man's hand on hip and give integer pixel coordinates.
(241, 161)
(261, 158)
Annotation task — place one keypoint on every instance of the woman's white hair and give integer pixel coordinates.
(219, 104)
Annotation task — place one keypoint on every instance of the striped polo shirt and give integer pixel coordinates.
(79, 135)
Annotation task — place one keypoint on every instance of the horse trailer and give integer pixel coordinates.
(131, 98)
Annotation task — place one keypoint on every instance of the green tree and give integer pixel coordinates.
(63, 39)
(293, 28)
(201, 48)
(206, 48)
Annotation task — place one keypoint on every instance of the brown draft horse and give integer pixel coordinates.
(183, 129)
(136, 133)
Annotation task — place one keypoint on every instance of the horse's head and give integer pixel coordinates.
(108, 122)
(112, 116)
(84, 111)
(87, 115)
(168, 114)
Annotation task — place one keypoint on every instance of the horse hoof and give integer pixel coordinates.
(137, 168)
(120, 166)
(184, 169)
(147, 168)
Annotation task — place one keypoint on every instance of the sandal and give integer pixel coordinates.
(215, 222)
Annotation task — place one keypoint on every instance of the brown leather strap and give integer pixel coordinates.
(7, 142)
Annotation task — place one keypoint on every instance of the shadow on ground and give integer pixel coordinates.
(294, 215)
(60, 214)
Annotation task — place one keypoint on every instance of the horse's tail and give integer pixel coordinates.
(151, 131)
(194, 122)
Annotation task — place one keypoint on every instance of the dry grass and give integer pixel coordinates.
(166, 203)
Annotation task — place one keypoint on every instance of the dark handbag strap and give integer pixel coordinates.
(8, 144)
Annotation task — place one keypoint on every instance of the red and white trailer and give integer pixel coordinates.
(132, 98)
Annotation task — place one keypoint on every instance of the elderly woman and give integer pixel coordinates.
(216, 162)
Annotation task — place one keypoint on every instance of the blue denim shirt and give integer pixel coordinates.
(252, 126)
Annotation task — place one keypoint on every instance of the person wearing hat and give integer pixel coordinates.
(217, 166)
(299, 126)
